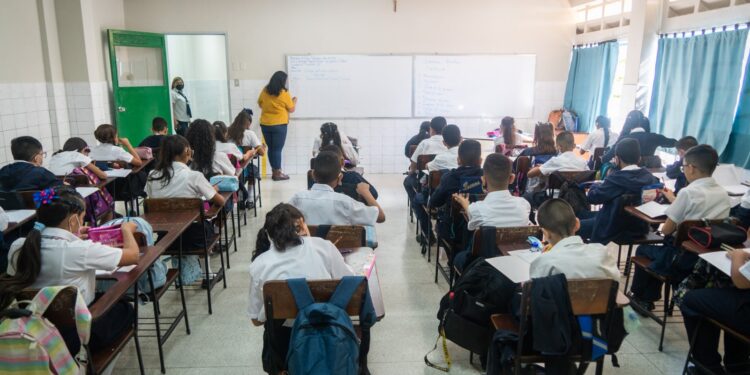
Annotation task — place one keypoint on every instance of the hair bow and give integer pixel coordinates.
(45, 196)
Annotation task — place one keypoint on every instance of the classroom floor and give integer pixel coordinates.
(226, 342)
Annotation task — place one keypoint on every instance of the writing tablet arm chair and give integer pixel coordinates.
(522, 165)
(637, 231)
(342, 236)
(597, 157)
(506, 239)
(433, 181)
(558, 178)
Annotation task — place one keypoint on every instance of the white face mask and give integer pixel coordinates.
(79, 225)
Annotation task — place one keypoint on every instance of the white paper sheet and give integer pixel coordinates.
(735, 190)
(118, 172)
(527, 256)
(86, 191)
(17, 216)
(720, 260)
(119, 269)
(653, 209)
(513, 267)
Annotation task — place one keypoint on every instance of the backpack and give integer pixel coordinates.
(323, 340)
(97, 203)
(575, 196)
(32, 345)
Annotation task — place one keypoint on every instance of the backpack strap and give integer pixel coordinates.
(301, 292)
(46, 295)
(345, 290)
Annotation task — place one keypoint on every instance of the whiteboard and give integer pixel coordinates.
(341, 86)
(474, 85)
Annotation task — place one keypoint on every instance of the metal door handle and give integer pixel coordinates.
(121, 109)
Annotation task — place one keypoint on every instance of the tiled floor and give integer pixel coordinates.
(226, 342)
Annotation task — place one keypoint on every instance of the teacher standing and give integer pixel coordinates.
(276, 104)
(180, 107)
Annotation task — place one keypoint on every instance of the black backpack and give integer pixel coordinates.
(575, 196)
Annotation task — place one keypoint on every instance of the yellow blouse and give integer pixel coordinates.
(274, 110)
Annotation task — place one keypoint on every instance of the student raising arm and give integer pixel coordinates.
(109, 150)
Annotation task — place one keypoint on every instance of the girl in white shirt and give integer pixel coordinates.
(206, 159)
(74, 154)
(601, 137)
(108, 148)
(240, 134)
(57, 252)
(330, 135)
(285, 250)
(229, 148)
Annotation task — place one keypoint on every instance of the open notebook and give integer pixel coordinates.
(653, 210)
(719, 260)
(727, 176)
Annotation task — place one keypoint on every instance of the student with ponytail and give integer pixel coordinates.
(285, 250)
(601, 137)
(57, 252)
(330, 135)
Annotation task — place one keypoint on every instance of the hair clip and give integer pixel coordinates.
(248, 111)
(45, 196)
(39, 226)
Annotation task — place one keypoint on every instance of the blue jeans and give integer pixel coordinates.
(182, 127)
(275, 136)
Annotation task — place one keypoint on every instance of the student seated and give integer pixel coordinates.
(330, 135)
(728, 306)
(742, 210)
(447, 159)
(321, 205)
(543, 147)
(674, 170)
(26, 171)
(240, 134)
(601, 137)
(206, 159)
(74, 154)
(499, 208)
(109, 150)
(56, 253)
(566, 161)
(606, 224)
(349, 179)
(509, 135)
(284, 250)
(638, 127)
(430, 146)
(702, 199)
(424, 133)
(159, 128)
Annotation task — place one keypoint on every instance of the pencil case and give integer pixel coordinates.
(109, 235)
(226, 183)
(145, 153)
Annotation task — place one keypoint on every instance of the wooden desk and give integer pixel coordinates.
(362, 261)
(17, 224)
(694, 248)
(640, 215)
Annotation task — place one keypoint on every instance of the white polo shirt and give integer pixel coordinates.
(185, 183)
(347, 148)
(430, 146)
(249, 138)
(314, 259)
(228, 148)
(596, 140)
(3, 220)
(69, 260)
(701, 199)
(109, 152)
(222, 164)
(745, 202)
(499, 209)
(447, 159)
(179, 106)
(65, 162)
(565, 162)
(322, 206)
(576, 260)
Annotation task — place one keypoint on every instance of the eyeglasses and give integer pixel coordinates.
(682, 167)
(43, 153)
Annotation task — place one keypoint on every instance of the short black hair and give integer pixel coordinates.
(702, 157)
(685, 143)
(565, 141)
(497, 170)
(557, 216)
(470, 152)
(437, 124)
(327, 167)
(333, 148)
(25, 148)
(158, 124)
(451, 135)
(628, 151)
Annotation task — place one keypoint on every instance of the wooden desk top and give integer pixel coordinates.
(215, 210)
(143, 165)
(640, 215)
(15, 225)
(694, 248)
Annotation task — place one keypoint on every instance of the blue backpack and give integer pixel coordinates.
(323, 340)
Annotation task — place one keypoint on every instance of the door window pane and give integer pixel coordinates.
(139, 66)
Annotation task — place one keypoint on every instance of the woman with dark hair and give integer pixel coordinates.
(330, 135)
(601, 137)
(638, 127)
(276, 104)
(424, 133)
(206, 159)
(180, 107)
(285, 250)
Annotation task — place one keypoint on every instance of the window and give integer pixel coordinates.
(614, 106)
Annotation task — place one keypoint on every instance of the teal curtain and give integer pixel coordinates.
(737, 151)
(696, 83)
(590, 77)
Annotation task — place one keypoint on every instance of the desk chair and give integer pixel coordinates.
(506, 239)
(557, 179)
(451, 247)
(727, 331)
(433, 181)
(522, 165)
(75, 180)
(412, 148)
(630, 239)
(422, 161)
(597, 157)
(210, 240)
(587, 297)
(342, 236)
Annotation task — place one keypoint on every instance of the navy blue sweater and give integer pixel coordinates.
(450, 183)
(675, 171)
(609, 221)
(22, 176)
(648, 142)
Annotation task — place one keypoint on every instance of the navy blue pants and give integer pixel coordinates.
(275, 136)
(648, 288)
(182, 127)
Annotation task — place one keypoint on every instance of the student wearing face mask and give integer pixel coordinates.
(180, 107)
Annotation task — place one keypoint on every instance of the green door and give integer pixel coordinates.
(139, 80)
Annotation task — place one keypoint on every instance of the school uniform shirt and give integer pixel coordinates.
(229, 149)
(185, 183)
(702, 199)
(596, 140)
(314, 259)
(65, 162)
(447, 159)
(180, 106)
(275, 109)
(346, 146)
(222, 164)
(430, 146)
(3, 220)
(322, 206)
(499, 209)
(565, 162)
(69, 260)
(576, 260)
(745, 201)
(23, 176)
(109, 152)
(249, 138)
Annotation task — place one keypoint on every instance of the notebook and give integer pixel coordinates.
(727, 176)
(719, 260)
(118, 172)
(653, 209)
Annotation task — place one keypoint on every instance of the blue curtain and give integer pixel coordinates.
(590, 77)
(696, 84)
(737, 150)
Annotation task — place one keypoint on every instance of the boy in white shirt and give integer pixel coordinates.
(703, 198)
(321, 205)
(499, 208)
(430, 146)
(565, 161)
(447, 159)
